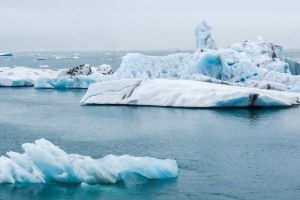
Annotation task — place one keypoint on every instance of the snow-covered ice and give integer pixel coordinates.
(66, 57)
(44, 162)
(184, 93)
(23, 76)
(78, 77)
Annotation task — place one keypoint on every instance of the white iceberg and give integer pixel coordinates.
(44, 162)
(81, 76)
(23, 76)
(66, 57)
(184, 93)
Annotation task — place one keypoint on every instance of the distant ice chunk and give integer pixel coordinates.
(183, 93)
(44, 162)
(66, 57)
(6, 54)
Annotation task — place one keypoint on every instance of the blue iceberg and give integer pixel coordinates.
(6, 54)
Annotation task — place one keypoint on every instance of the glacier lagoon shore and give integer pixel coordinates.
(244, 153)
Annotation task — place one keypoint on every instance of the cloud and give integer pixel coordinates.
(141, 24)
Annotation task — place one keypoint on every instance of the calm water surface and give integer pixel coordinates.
(221, 153)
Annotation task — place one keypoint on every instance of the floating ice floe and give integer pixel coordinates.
(6, 54)
(44, 162)
(184, 93)
(77, 77)
(44, 66)
(41, 59)
(23, 76)
(66, 57)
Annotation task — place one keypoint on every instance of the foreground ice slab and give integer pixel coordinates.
(23, 76)
(44, 162)
(183, 93)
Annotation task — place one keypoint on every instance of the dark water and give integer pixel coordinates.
(221, 153)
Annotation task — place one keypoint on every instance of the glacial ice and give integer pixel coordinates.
(184, 93)
(23, 76)
(81, 76)
(44, 162)
(6, 54)
(51, 78)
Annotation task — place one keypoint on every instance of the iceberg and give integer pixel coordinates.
(41, 59)
(66, 57)
(81, 76)
(43, 162)
(6, 54)
(23, 76)
(184, 93)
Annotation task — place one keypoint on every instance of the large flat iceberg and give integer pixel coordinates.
(184, 93)
(44, 162)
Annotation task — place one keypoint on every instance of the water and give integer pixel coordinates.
(221, 153)
(94, 58)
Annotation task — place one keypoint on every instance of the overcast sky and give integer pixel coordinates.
(143, 24)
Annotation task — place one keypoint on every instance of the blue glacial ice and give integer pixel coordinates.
(44, 162)
(6, 54)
